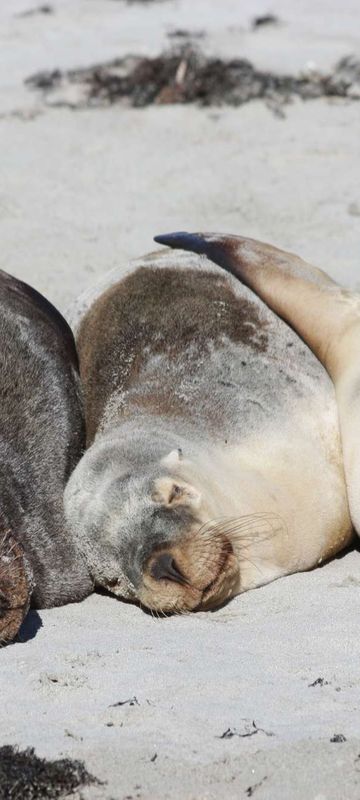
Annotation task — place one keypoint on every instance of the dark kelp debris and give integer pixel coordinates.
(264, 19)
(252, 789)
(32, 12)
(24, 776)
(319, 682)
(132, 701)
(144, 2)
(186, 75)
(250, 729)
(183, 33)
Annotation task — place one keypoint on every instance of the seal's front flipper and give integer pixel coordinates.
(325, 315)
(15, 587)
(195, 242)
(290, 286)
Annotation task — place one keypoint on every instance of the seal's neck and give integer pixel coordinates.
(275, 510)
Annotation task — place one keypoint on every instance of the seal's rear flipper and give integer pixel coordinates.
(15, 588)
(326, 316)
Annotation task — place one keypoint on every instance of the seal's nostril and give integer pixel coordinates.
(165, 566)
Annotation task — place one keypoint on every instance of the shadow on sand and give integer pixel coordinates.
(29, 628)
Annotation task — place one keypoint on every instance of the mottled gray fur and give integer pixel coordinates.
(41, 439)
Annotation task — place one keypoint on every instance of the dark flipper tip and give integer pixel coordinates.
(181, 240)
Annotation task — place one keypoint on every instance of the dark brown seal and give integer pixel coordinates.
(41, 440)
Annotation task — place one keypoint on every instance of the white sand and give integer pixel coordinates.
(80, 192)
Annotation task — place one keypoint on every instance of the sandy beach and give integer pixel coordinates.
(260, 698)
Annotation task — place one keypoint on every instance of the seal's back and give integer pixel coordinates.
(193, 345)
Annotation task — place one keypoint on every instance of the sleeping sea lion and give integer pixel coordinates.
(41, 439)
(214, 462)
(324, 314)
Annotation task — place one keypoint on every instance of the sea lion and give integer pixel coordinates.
(41, 439)
(214, 462)
(325, 315)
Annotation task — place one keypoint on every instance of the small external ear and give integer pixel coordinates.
(170, 493)
(173, 458)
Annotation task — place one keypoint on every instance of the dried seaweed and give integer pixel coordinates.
(186, 75)
(24, 776)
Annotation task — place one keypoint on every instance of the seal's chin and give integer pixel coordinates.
(121, 587)
(189, 576)
(222, 586)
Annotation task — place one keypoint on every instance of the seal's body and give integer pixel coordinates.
(41, 440)
(214, 463)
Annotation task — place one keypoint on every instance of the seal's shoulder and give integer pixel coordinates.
(38, 309)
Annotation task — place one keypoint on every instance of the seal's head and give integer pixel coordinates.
(147, 535)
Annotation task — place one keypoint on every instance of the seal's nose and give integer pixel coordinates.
(164, 566)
